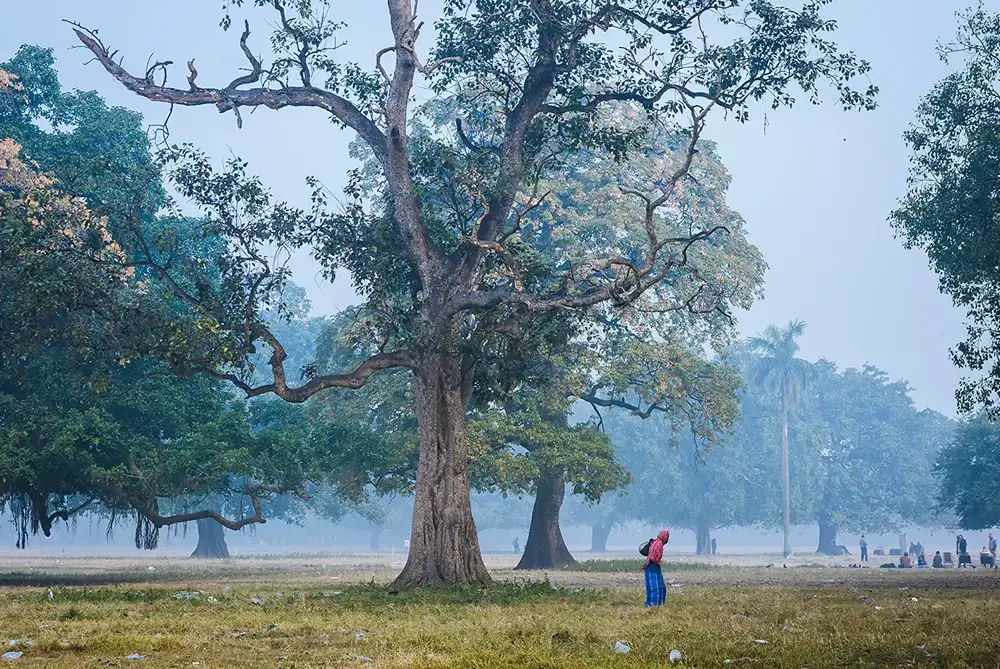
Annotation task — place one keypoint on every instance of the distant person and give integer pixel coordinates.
(715, 548)
(656, 589)
(921, 561)
(963, 545)
(938, 562)
(993, 549)
(905, 562)
(864, 549)
(517, 546)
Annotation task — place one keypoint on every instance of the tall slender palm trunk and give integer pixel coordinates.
(784, 469)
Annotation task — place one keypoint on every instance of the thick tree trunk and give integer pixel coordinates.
(211, 540)
(444, 544)
(786, 492)
(545, 548)
(703, 538)
(827, 538)
(374, 543)
(599, 533)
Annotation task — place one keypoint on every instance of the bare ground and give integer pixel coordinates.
(18, 570)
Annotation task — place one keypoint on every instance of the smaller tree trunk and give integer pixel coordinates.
(376, 532)
(827, 538)
(599, 533)
(785, 486)
(545, 548)
(703, 538)
(211, 540)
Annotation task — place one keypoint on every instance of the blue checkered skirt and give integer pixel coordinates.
(656, 589)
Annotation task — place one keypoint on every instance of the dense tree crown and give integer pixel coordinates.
(950, 208)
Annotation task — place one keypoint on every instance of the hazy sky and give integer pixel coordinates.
(815, 189)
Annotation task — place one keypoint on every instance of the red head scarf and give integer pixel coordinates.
(656, 548)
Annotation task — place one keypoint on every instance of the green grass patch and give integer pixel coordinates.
(509, 625)
(630, 565)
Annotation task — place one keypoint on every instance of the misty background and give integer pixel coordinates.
(814, 184)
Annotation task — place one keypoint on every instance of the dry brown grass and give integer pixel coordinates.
(714, 616)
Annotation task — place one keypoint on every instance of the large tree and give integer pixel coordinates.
(968, 469)
(950, 210)
(446, 255)
(778, 365)
(87, 425)
(874, 453)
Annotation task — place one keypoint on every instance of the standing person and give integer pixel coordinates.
(864, 549)
(715, 548)
(993, 549)
(517, 547)
(656, 589)
(963, 545)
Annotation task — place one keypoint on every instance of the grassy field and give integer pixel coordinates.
(306, 613)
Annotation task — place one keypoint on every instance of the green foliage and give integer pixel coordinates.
(950, 209)
(85, 422)
(968, 468)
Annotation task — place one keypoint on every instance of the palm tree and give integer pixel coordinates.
(778, 366)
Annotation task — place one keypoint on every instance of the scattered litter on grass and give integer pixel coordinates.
(271, 627)
(622, 648)
(761, 641)
(212, 600)
(184, 594)
(24, 643)
(257, 600)
(742, 660)
(625, 613)
(227, 588)
(787, 629)
(738, 616)
(338, 592)
(914, 599)
(135, 656)
(878, 608)
(675, 656)
(676, 585)
(359, 636)
(904, 589)
(866, 599)
(12, 655)
(151, 569)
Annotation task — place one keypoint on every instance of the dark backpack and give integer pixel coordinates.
(644, 549)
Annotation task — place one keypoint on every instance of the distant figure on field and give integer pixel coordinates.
(985, 559)
(963, 545)
(864, 549)
(656, 589)
(993, 548)
(921, 560)
(905, 562)
(715, 548)
(938, 562)
(517, 547)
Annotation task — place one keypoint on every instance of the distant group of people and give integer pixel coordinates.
(987, 556)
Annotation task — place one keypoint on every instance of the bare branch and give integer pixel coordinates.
(229, 98)
(354, 379)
